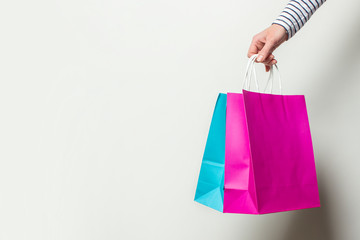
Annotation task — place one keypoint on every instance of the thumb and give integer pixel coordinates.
(265, 51)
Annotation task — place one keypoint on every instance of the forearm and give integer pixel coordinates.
(296, 14)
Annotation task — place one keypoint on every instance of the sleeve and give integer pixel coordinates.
(296, 14)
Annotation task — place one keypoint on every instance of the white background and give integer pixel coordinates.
(105, 107)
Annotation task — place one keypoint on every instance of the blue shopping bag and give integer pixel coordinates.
(210, 187)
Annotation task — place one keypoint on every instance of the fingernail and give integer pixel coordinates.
(260, 58)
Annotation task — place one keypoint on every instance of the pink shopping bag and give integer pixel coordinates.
(269, 160)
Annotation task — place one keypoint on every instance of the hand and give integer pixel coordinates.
(265, 42)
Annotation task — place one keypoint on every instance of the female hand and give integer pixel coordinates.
(265, 42)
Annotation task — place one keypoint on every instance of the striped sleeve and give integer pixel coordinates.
(296, 14)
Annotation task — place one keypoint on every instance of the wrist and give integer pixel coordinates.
(281, 30)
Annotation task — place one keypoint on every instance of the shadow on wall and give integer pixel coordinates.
(317, 223)
(314, 223)
(332, 75)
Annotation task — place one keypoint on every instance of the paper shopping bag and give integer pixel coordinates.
(268, 163)
(210, 188)
(269, 160)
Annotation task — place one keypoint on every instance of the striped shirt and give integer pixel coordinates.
(296, 14)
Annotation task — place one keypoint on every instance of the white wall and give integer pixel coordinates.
(105, 108)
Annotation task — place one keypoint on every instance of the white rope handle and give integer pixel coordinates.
(251, 68)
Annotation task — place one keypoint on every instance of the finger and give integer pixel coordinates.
(252, 50)
(269, 59)
(272, 62)
(267, 68)
(255, 46)
(265, 51)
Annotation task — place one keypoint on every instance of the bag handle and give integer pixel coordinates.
(250, 68)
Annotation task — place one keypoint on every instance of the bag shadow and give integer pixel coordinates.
(314, 223)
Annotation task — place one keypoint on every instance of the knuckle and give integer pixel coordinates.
(271, 41)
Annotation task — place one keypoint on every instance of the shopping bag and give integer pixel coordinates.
(269, 160)
(210, 188)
